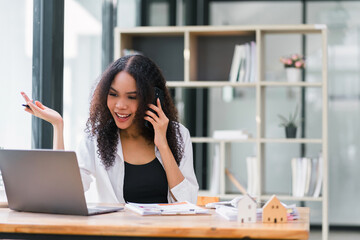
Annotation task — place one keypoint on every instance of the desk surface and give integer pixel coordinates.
(127, 223)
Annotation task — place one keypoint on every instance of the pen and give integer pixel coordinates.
(27, 106)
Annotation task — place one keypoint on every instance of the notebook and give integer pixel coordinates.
(45, 181)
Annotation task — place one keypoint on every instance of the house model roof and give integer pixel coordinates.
(274, 211)
(247, 196)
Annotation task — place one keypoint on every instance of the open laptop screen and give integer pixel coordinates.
(43, 181)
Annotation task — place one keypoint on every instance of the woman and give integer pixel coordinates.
(131, 162)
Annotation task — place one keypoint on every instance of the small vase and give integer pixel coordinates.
(290, 132)
(293, 74)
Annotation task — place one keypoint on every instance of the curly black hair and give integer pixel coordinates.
(101, 124)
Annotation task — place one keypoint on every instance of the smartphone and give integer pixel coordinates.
(158, 93)
(25, 105)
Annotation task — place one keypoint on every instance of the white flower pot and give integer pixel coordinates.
(293, 74)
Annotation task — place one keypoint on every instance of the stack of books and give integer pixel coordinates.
(243, 66)
(306, 176)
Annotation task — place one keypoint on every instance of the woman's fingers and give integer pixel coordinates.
(28, 103)
(158, 103)
(160, 111)
(39, 110)
(159, 120)
(157, 115)
(33, 106)
(27, 99)
(150, 119)
(151, 114)
(40, 105)
(29, 110)
(157, 108)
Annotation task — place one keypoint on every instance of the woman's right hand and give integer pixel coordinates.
(39, 110)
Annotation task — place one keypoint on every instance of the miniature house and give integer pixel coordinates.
(247, 209)
(274, 211)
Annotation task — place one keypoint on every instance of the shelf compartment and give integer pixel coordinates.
(212, 57)
(167, 50)
(271, 108)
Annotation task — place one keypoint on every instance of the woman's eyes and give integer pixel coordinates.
(130, 97)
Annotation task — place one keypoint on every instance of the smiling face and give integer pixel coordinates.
(122, 100)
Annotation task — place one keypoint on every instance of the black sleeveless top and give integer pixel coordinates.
(146, 183)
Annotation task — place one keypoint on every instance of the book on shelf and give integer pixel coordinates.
(252, 176)
(178, 208)
(243, 65)
(253, 62)
(247, 62)
(235, 64)
(299, 173)
(319, 177)
(228, 92)
(215, 172)
(313, 176)
(306, 176)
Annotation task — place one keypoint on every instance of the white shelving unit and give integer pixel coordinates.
(184, 50)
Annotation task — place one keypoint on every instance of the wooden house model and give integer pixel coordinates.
(247, 209)
(274, 211)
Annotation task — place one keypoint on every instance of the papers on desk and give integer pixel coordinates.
(232, 203)
(229, 210)
(179, 208)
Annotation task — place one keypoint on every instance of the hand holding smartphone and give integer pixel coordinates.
(158, 94)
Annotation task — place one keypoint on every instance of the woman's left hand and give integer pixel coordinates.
(160, 123)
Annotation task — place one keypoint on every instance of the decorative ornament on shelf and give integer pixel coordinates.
(293, 66)
(290, 124)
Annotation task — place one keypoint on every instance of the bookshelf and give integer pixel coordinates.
(187, 55)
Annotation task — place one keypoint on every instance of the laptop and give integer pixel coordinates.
(45, 181)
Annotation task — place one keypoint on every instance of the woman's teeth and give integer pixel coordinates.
(122, 115)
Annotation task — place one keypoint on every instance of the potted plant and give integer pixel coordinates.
(290, 124)
(293, 65)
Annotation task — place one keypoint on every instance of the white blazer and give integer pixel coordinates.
(109, 183)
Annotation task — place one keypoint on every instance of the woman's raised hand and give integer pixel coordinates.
(160, 123)
(39, 110)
